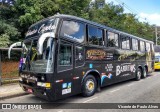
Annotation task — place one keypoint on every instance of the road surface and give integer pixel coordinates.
(144, 91)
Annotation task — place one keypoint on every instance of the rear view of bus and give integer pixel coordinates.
(157, 61)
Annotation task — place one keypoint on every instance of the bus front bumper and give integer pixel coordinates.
(45, 93)
(157, 67)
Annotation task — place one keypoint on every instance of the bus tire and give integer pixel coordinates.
(144, 75)
(138, 74)
(89, 86)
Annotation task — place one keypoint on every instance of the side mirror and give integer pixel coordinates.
(15, 45)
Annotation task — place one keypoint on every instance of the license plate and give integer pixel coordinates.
(30, 91)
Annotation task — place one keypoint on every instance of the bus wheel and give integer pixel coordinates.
(138, 74)
(144, 75)
(89, 86)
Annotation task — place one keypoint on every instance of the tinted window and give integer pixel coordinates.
(157, 59)
(79, 56)
(148, 47)
(135, 44)
(73, 30)
(125, 42)
(65, 54)
(152, 47)
(94, 35)
(112, 40)
(142, 46)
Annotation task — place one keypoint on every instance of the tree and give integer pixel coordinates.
(8, 32)
(18, 17)
(113, 16)
(31, 11)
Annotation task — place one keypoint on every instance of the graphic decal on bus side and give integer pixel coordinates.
(66, 88)
(109, 56)
(90, 65)
(96, 54)
(137, 57)
(109, 67)
(103, 76)
(127, 55)
(125, 67)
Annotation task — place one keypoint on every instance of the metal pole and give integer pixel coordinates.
(0, 68)
(156, 33)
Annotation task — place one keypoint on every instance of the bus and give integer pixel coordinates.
(157, 57)
(157, 61)
(64, 55)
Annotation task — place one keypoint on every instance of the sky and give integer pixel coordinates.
(146, 10)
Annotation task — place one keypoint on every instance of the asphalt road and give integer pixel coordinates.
(144, 91)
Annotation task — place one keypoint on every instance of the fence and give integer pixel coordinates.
(9, 67)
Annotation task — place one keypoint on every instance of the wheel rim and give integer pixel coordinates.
(139, 74)
(145, 73)
(90, 85)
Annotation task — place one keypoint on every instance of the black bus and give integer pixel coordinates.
(64, 55)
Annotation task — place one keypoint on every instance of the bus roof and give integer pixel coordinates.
(93, 23)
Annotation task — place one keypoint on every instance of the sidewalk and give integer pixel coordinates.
(11, 90)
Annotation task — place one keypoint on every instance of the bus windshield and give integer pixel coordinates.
(38, 47)
(35, 62)
(157, 59)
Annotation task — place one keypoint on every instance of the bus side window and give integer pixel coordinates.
(125, 42)
(65, 59)
(65, 55)
(79, 55)
(95, 36)
(73, 30)
(148, 47)
(134, 44)
(142, 46)
(112, 40)
(152, 48)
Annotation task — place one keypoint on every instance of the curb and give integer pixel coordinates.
(14, 95)
(9, 81)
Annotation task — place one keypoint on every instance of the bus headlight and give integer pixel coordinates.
(43, 84)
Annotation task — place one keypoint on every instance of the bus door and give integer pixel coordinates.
(79, 67)
(63, 78)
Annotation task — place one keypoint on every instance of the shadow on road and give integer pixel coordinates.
(158, 71)
(73, 99)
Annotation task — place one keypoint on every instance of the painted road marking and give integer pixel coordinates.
(114, 90)
(148, 77)
(140, 80)
(90, 99)
(130, 85)
(60, 111)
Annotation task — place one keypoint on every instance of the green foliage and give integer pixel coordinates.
(8, 34)
(24, 13)
(4, 40)
(113, 16)
(30, 11)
